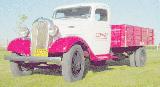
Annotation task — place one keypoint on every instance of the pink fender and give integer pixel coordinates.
(63, 45)
(20, 46)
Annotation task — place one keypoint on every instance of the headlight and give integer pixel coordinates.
(53, 31)
(23, 32)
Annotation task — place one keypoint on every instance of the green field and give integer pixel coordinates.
(116, 76)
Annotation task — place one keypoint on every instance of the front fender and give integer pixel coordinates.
(20, 46)
(62, 45)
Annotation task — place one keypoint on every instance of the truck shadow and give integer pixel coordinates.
(105, 66)
(54, 70)
(99, 68)
(58, 72)
(119, 62)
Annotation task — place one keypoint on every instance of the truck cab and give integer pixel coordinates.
(88, 21)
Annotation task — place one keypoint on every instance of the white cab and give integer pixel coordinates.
(88, 21)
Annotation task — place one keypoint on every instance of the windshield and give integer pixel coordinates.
(77, 12)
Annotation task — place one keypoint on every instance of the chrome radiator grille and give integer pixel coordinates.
(40, 37)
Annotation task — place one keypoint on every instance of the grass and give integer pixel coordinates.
(117, 76)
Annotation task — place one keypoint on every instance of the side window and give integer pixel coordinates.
(101, 15)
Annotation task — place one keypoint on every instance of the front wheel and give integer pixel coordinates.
(73, 64)
(18, 70)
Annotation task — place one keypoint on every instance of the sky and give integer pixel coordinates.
(145, 13)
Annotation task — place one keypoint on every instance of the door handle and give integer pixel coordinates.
(71, 26)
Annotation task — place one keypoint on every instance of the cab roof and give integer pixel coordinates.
(83, 4)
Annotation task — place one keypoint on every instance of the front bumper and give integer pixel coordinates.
(32, 59)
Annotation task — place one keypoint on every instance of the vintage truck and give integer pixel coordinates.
(78, 35)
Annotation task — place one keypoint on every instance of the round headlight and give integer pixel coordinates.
(23, 32)
(53, 31)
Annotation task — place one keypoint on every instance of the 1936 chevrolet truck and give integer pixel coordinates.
(77, 35)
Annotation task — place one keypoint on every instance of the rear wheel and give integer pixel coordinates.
(138, 58)
(132, 59)
(73, 64)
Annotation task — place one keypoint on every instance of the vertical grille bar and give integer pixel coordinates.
(39, 36)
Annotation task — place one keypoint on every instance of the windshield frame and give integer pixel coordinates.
(87, 17)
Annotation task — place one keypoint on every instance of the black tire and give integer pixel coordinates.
(73, 64)
(132, 60)
(140, 57)
(86, 67)
(18, 70)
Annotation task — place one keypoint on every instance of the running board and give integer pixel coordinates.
(106, 57)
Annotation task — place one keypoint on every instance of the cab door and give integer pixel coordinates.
(102, 32)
